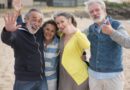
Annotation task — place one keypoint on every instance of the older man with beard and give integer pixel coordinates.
(107, 36)
(27, 44)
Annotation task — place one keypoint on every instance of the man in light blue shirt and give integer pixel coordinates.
(107, 36)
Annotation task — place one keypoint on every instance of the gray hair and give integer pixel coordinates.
(32, 10)
(100, 2)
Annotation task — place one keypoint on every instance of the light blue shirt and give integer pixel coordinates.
(100, 75)
(51, 59)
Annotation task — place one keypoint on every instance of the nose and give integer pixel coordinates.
(94, 13)
(59, 25)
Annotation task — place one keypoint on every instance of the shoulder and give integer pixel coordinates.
(116, 23)
(80, 35)
(87, 30)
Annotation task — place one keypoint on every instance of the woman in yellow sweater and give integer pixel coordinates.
(73, 70)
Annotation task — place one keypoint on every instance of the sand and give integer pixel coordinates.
(7, 58)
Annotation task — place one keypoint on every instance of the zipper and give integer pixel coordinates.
(40, 56)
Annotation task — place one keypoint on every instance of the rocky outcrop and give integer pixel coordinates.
(123, 13)
(119, 13)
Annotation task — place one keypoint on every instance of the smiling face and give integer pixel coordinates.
(49, 32)
(96, 12)
(34, 21)
(62, 23)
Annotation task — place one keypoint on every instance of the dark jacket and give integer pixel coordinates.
(28, 53)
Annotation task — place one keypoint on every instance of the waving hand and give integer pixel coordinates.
(10, 22)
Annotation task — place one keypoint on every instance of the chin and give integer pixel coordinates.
(99, 20)
(33, 31)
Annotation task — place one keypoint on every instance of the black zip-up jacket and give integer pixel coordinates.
(28, 53)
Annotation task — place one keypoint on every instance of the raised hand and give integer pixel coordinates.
(10, 22)
(107, 28)
(17, 4)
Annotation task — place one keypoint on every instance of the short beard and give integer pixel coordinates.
(31, 30)
(99, 20)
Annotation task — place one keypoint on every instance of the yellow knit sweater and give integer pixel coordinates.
(71, 58)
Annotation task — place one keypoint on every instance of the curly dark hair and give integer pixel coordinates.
(52, 22)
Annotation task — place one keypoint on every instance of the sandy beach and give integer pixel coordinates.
(7, 58)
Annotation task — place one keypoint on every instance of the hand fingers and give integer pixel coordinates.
(10, 16)
(14, 17)
(17, 4)
(5, 18)
(83, 57)
(16, 1)
(10, 20)
(107, 23)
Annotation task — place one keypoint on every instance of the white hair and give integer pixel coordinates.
(90, 2)
(33, 10)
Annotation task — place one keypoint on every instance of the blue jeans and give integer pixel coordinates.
(30, 85)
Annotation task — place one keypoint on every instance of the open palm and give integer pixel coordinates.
(10, 22)
(17, 4)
